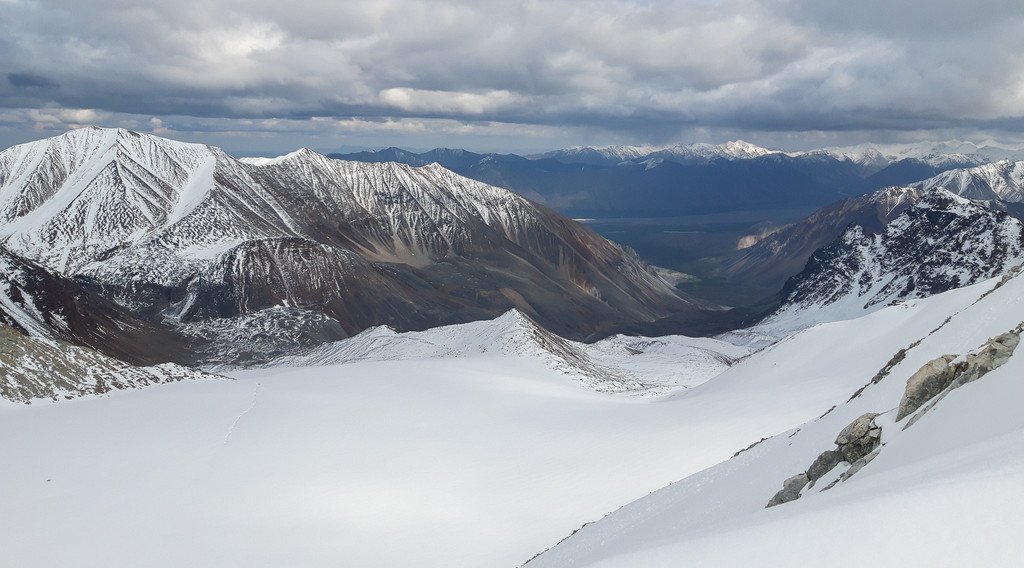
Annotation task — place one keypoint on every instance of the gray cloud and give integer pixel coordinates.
(30, 81)
(525, 74)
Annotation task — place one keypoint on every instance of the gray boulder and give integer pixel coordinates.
(823, 464)
(791, 489)
(991, 356)
(859, 437)
(928, 381)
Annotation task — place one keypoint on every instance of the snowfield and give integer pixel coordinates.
(945, 491)
(485, 457)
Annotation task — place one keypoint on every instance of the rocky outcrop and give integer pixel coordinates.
(932, 382)
(824, 463)
(859, 438)
(928, 381)
(854, 468)
(36, 368)
(791, 489)
(857, 444)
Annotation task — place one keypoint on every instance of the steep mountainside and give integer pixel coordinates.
(37, 368)
(784, 253)
(185, 233)
(940, 243)
(44, 304)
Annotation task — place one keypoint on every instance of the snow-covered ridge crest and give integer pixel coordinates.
(617, 364)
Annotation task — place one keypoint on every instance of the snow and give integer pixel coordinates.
(998, 181)
(479, 460)
(476, 460)
(620, 363)
(196, 190)
(944, 492)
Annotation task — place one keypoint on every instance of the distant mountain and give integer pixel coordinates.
(660, 185)
(906, 171)
(699, 153)
(185, 236)
(939, 243)
(784, 253)
(652, 181)
(997, 182)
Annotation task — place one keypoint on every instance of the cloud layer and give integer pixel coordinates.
(533, 73)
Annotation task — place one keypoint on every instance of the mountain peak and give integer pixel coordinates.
(941, 242)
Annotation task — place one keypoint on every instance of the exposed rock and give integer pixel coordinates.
(992, 355)
(857, 444)
(790, 490)
(823, 464)
(928, 381)
(859, 437)
(854, 468)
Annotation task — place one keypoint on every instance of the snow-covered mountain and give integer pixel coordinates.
(939, 243)
(782, 254)
(683, 153)
(935, 152)
(922, 431)
(903, 396)
(41, 303)
(997, 182)
(186, 233)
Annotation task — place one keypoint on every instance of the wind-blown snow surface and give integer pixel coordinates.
(944, 492)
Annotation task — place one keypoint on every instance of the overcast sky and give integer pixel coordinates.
(267, 77)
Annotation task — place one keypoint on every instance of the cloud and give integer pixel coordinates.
(632, 71)
(30, 81)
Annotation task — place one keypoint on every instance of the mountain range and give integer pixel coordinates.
(216, 251)
(208, 350)
(649, 181)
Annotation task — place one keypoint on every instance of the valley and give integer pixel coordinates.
(304, 361)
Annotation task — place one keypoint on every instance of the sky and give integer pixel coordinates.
(266, 77)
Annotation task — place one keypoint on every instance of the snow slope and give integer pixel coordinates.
(475, 461)
(908, 507)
